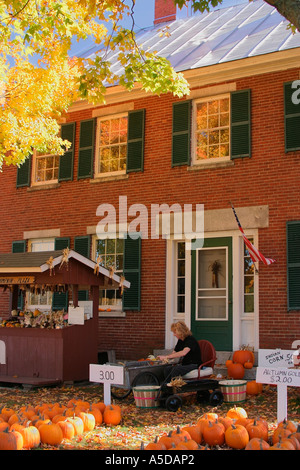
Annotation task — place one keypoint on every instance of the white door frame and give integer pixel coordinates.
(245, 326)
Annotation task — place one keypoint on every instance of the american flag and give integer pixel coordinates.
(255, 255)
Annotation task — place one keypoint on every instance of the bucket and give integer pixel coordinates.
(145, 396)
(234, 391)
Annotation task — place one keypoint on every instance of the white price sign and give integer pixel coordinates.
(275, 369)
(278, 375)
(275, 358)
(107, 375)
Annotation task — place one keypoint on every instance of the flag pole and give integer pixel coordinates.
(240, 227)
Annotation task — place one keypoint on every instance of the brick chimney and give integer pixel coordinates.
(165, 10)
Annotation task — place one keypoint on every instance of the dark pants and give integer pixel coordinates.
(178, 370)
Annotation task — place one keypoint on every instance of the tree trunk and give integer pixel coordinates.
(290, 9)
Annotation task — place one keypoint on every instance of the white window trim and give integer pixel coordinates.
(98, 175)
(33, 170)
(208, 161)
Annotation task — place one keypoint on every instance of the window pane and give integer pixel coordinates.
(181, 268)
(212, 133)
(249, 303)
(181, 250)
(181, 304)
(112, 144)
(100, 247)
(181, 286)
(249, 284)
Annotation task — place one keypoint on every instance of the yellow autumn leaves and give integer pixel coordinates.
(39, 79)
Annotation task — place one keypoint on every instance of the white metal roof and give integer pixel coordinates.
(236, 32)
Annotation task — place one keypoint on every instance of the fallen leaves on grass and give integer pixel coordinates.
(142, 425)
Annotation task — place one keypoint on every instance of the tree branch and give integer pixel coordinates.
(290, 9)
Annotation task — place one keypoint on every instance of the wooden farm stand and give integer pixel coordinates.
(40, 356)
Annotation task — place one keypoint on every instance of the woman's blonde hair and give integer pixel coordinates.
(181, 329)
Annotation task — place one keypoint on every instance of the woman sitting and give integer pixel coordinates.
(187, 350)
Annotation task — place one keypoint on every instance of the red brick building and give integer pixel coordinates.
(235, 138)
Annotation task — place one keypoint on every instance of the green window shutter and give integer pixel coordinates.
(293, 265)
(82, 245)
(83, 295)
(66, 161)
(23, 173)
(181, 133)
(135, 141)
(86, 149)
(60, 299)
(132, 273)
(19, 246)
(291, 120)
(61, 243)
(240, 124)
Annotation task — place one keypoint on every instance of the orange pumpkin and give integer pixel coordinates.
(99, 405)
(294, 441)
(31, 437)
(237, 412)
(226, 421)
(257, 444)
(166, 440)
(248, 365)
(156, 445)
(77, 424)
(51, 434)
(112, 416)
(181, 434)
(67, 429)
(236, 437)
(11, 440)
(243, 355)
(297, 433)
(97, 415)
(253, 388)
(283, 444)
(4, 426)
(214, 434)
(257, 430)
(190, 444)
(280, 433)
(195, 433)
(89, 421)
(236, 370)
(288, 425)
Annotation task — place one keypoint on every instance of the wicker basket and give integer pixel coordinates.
(234, 391)
(145, 396)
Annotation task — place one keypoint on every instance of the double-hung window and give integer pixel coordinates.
(42, 301)
(45, 168)
(111, 145)
(111, 254)
(211, 129)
